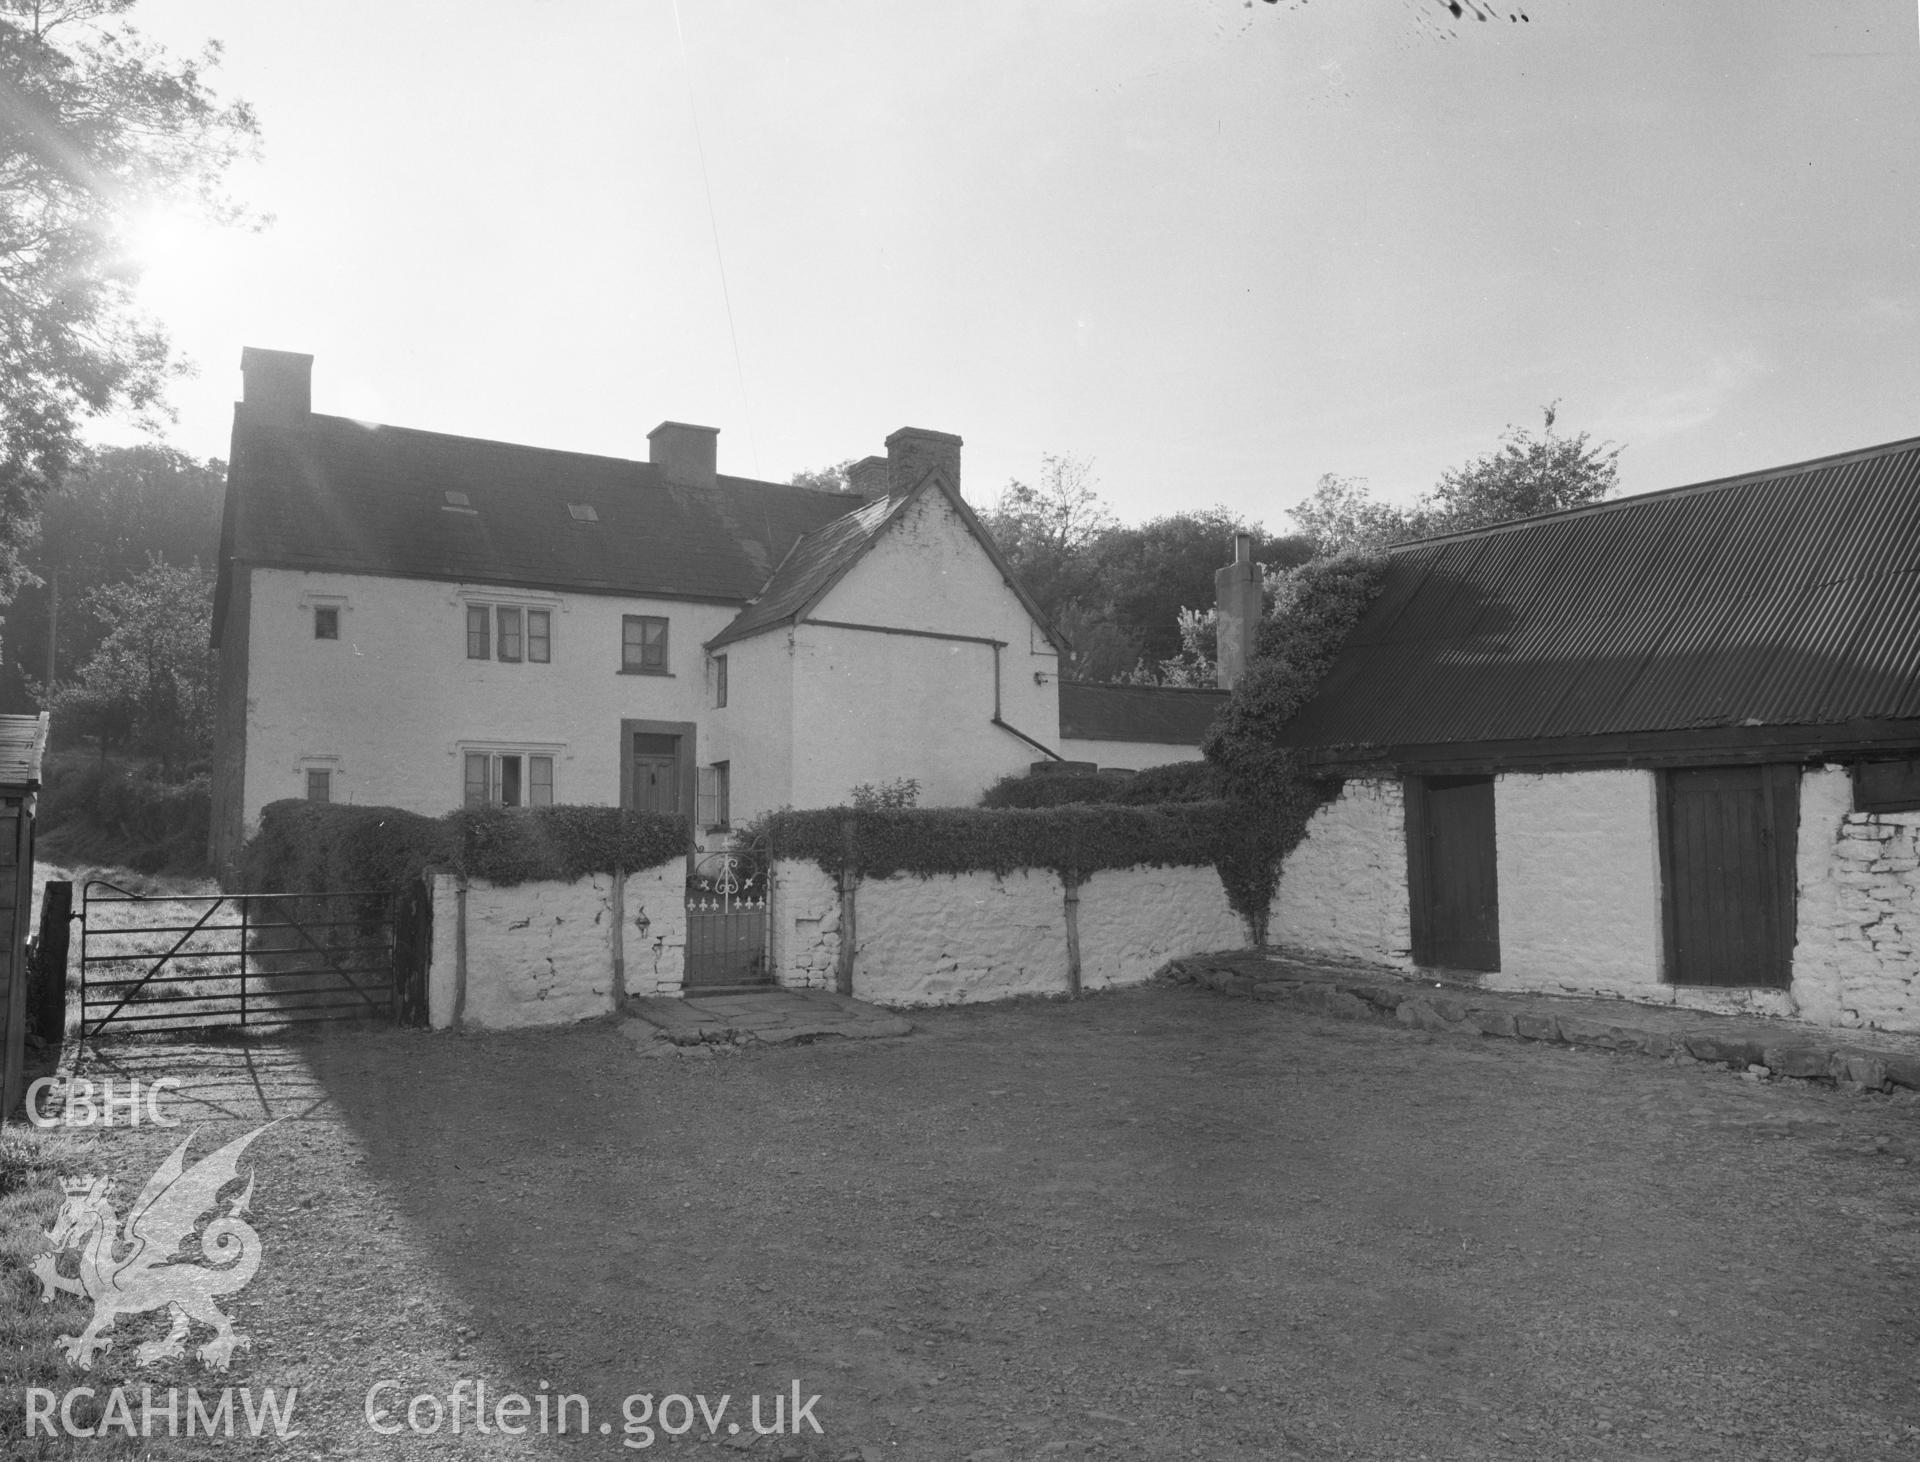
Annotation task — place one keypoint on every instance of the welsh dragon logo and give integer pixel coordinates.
(150, 1274)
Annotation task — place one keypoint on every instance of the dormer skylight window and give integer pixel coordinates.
(457, 502)
(583, 513)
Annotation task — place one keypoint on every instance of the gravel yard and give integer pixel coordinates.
(1155, 1224)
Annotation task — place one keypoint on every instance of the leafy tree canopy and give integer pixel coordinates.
(829, 479)
(99, 127)
(1525, 475)
(150, 683)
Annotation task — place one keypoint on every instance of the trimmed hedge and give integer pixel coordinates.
(1072, 841)
(317, 847)
(1181, 781)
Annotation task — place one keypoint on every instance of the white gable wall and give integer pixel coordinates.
(753, 732)
(871, 706)
(390, 705)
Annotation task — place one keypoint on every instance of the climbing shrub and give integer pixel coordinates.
(1274, 794)
(317, 847)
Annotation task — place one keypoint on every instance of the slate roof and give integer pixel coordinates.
(1782, 598)
(819, 560)
(23, 741)
(1158, 714)
(810, 567)
(335, 494)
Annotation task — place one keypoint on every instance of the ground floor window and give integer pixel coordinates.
(319, 784)
(713, 811)
(508, 779)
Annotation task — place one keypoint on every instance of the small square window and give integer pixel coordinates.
(1887, 786)
(319, 784)
(509, 633)
(643, 644)
(326, 621)
(477, 628)
(539, 636)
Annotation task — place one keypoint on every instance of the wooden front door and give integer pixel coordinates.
(1454, 886)
(654, 785)
(1727, 845)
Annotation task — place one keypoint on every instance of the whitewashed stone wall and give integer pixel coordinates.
(1343, 890)
(806, 926)
(1858, 919)
(543, 953)
(1133, 920)
(955, 938)
(1579, 877)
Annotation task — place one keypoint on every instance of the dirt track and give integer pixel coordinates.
(1153, 1224)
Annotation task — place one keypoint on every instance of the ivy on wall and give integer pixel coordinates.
(1274, 795)
(315, 847)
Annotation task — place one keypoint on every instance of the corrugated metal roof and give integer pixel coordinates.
(334, 494)
(23, 741)
(1789, 597)
(1160, 714)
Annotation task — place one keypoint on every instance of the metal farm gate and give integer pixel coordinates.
(727, 913)
(174, 962)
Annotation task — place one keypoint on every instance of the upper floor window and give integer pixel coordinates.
(643, 644)
(719, 681)
(509, 632)
(326, 622)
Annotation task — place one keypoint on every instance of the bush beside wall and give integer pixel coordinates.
(110, 814)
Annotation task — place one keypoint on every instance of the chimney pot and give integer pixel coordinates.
(276, 385)
(913, 452)
(686, 455)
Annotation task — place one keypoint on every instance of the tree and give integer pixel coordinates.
(827, 479)
(1526, 475)
(150, 683)
(1047, 533)
(99, 128)
(118, 509)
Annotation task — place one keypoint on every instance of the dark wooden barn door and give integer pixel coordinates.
(1454, 887)
(1727, 842)
(656, 773)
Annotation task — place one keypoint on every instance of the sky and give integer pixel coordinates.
(1218, 248)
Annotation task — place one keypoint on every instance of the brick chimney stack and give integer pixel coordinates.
(686, 455)
(1236, 590)
(913, 452)
(868, 477)
(276, 385)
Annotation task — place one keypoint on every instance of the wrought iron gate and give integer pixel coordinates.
(159, 962)
(727, 912)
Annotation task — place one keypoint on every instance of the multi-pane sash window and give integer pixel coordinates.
(643, 644)
(712, 811)
(319, 784)
(508, 779)
(511, 633)
(326, 621)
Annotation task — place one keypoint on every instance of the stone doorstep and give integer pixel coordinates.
(1353, 991)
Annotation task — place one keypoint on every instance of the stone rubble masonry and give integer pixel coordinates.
(542, 953)
(1344, 888)
(1350, 989)
(1859, 913)
(953, 938)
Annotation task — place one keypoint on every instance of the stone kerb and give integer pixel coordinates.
(548, 953)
